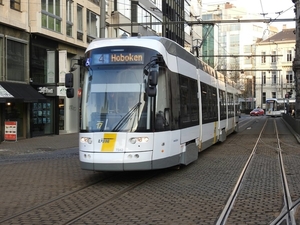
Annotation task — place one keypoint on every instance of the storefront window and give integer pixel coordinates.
(42, 118)
(14, 112)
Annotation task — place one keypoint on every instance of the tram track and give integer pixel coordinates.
(73, 198)
(288, 213)
(264, 143)
(230, 202)
(7, 219)
(195, 194)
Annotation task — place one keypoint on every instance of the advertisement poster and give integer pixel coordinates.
(10, 131)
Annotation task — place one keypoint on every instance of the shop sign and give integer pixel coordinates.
(49, 91)
(10, 131)
(61, 91)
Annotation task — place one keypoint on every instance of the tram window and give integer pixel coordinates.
(230, 105)
(174, 87)
(184, 99)
(213, 103)
(209, 103)
(204, 100)
(194, 101)
(222, 104)
(162, 117)
(189, 104)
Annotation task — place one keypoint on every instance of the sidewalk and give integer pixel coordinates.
(39, 144)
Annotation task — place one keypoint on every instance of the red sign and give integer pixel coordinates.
(79, 92)
(10, 131)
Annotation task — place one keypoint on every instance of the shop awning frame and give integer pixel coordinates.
(18, 92)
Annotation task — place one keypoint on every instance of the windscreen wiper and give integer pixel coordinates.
(126, 117)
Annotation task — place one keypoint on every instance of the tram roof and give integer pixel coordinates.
(171, 47)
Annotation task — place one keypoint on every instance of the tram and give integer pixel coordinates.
(276, 107)
(149, 104)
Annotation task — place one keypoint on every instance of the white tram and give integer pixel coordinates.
(149, 104)
(277, 107)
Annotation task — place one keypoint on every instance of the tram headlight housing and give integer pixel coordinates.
(86, 140)
(134, 140)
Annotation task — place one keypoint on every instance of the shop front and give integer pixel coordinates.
(16, 100)
(43, 114)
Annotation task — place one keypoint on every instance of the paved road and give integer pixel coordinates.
(47, 186)
(38, 145)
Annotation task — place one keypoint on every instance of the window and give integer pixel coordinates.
(263, 77)
(51, 15)
(15, 4)
(1, 55)
(189, 106)
(97, 2)
(230, 104)
(289, 77)
(158, 3)
(274, 78)
(123, 6)
(143, 16)
(79, 23)
(273, 57)
(209, 103)
(222, 97)
(289, 56)
(16, 60)
(93, 25)
(263, 57)
(38, 64)
(156, 27)
(263, 97)
(69, 14)
(273, 94)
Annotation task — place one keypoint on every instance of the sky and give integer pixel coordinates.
(270, 8)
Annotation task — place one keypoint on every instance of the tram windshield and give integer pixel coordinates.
(113, 97)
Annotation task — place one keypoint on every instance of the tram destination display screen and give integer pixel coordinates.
(117, 58)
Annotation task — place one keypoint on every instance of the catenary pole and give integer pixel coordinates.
(296, 62)
(102, 18)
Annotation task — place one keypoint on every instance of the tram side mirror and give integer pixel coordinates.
(70, 92)
(151, 91)
(160, 60)
(69, 80)
(152, 78)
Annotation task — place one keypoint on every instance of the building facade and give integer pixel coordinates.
(42, 40)
(39, 42)
(231, 47)
(274, 77)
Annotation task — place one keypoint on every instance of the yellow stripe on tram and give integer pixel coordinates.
(109, 141)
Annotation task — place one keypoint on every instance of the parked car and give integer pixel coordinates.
(257, 112)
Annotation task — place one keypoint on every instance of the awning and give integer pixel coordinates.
(17, 92)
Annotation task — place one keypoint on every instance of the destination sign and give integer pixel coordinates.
(118, 58)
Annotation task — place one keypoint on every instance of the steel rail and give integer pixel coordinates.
(227, 209)
(288, 212)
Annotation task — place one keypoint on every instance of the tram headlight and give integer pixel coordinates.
(86, 140)
(134, 140)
